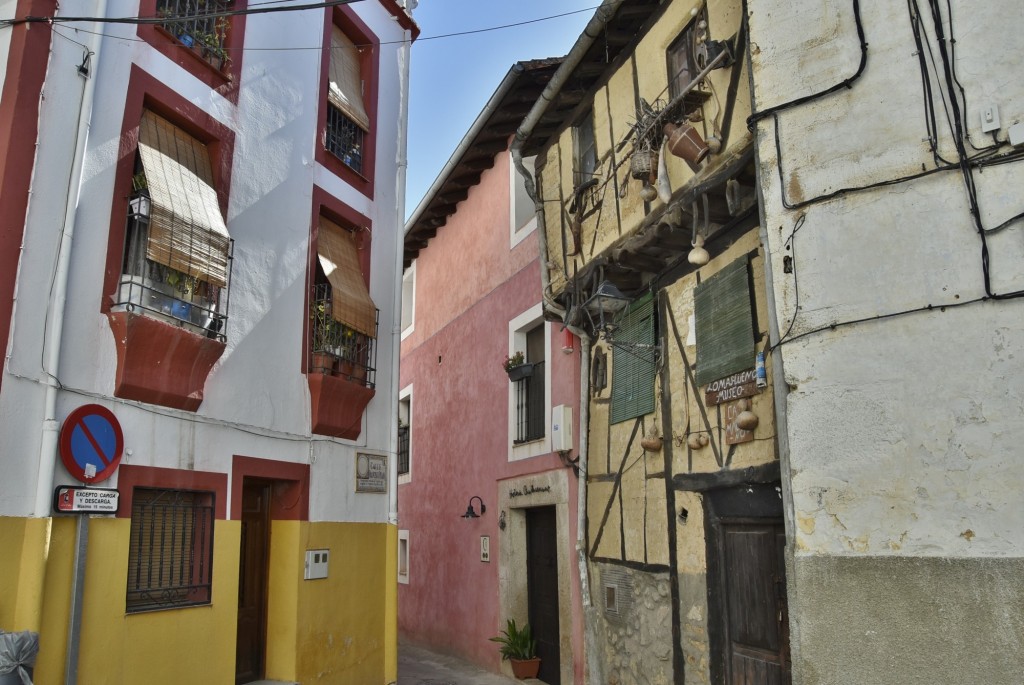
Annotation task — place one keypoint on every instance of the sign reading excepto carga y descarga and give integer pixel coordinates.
(71, 499)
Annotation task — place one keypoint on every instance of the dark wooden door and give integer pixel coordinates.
(542, 589)
(757, 633)
(252, 581)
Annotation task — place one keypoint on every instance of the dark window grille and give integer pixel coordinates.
(170, 551)
(529, 394)
(403, 449)
(190, 21)
(337, 349)
(585, 162)
(165, 293)
(344, 139)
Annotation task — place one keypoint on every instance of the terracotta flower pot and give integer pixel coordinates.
(685, 142)
(525, 668)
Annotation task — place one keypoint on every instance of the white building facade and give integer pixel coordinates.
(202, 237)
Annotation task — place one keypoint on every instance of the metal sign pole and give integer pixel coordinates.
(77, 593)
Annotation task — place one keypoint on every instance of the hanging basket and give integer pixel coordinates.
(643, 164)
(518, 373)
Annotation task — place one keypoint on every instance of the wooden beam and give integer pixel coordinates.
(715, 480)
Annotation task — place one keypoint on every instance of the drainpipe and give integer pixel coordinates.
(396, 328)
(592, 31)
(58, 298)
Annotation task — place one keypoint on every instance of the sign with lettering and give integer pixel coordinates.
(734, 435)
(371, 472)
(72, 499)
(742, 384)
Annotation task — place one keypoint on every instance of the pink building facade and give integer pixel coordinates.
(476, 438)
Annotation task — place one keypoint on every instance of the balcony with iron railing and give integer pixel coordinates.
(199, 25)
(338, 349)
(162, 292)
(529, 403)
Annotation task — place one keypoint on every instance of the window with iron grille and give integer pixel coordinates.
(344, 139)
(195, 23)
(170, 551)
(347, 115)
(176, 264)
(529, 394)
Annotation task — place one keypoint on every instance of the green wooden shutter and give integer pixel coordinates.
(725, 332)
(633, 362)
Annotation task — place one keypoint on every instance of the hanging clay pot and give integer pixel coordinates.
(651, 443)
(696, 441)
(698, 255)
(685, 142)
(648, 193)
(747, 420)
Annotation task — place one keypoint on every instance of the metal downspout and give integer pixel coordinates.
(58, 298)
(593, 29)
(396, 328)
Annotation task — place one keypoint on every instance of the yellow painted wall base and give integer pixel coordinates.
(340, 629)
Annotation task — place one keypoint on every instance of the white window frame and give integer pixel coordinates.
(409, 281)
(518, 233)
(403, 545)
(517, 329)
(403, 394)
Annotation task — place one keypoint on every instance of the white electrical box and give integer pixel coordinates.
(316, 564)
(561, 428)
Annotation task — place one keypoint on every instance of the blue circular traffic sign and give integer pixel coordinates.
(91, 443)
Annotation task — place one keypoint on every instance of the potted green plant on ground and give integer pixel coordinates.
(520, 649)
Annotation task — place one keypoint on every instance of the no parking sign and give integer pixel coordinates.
(91, 443)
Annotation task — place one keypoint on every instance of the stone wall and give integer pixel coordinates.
(637, 634)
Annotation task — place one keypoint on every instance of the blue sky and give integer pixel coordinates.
(452, 77)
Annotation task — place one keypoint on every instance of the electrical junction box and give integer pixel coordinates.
(1016, 134)
(989, 119)
(316, 564)
(561, 428)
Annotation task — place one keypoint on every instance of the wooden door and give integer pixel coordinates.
(542, 589)
(252, 581)
(756, 630)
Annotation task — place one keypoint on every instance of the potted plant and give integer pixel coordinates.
(325, 337)
(520, 649)
(516, 367)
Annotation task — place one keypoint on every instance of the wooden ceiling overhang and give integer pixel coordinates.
(611, 47)
(656, 252)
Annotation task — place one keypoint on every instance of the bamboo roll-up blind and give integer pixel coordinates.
(346, 87)
(186, 229)
(350, 300)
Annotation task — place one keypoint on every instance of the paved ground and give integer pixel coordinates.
(418, 666)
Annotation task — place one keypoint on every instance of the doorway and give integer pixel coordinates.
(252, 580)
(542, 589)
(748, 587)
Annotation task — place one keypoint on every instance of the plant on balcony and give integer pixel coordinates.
(325, 331)
(516, 367)
(519, 647)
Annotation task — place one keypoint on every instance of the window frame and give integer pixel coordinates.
(403, 537)
(406, 395)
(518, 328)
(519, 231)
(409, 280)
(224, 81)
(359, 33)
(685, 41)
(584, 150)
(130, 477)
(740, 354)
(146, 92)
(632, 393)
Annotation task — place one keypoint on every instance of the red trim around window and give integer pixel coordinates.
(146, 92)
(290, 486)
(27, 59)
(404, 20)
(346, 19)
(330, 207)
(224, 82)
(130, 477)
